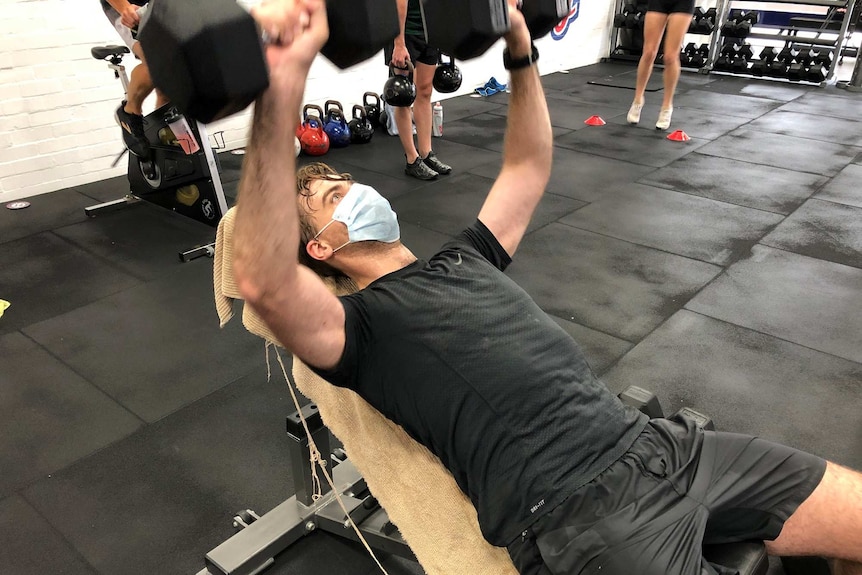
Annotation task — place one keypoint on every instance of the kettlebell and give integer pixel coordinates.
(360, 128)
(400, 91)
(335, 125)
(447, 76)
(372, 108)
(314, 140)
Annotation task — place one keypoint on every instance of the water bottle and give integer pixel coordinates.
(182, 131)
(437, 117)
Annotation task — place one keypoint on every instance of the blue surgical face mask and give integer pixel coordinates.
(367, 215)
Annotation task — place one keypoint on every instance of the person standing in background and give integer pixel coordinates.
(410, 45)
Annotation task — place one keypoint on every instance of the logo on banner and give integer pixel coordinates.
(559, 31)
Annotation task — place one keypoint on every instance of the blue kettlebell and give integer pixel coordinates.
(335, 125)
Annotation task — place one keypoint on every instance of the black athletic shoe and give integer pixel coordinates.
(432, 162)
(420, 170)
(133, 132)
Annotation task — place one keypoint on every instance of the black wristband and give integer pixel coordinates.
(525, 62)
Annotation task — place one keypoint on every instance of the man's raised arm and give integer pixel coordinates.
(528, 149)
(291, 299)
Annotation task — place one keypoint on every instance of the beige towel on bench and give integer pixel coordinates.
(420, 496)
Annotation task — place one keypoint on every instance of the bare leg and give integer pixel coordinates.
(424, 77)
(828, 523)
(654, 24)
(677, 26)
(140, 84)
(404, 121)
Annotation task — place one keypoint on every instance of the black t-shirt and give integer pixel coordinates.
(460, 356)
(413, 25)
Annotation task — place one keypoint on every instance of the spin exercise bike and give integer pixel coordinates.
(181, 173)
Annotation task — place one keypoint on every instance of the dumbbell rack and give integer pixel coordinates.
(787, 34)
(616, 48)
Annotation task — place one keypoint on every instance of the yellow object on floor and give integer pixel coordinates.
(436, 519)
(4, 305)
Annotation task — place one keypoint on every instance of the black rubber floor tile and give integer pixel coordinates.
(486, 131)
(143, 240)
(822, 104)
(601, 349)
(451, 208)
(230, 164)
(50, 416)
(603, 283)
(821, 128)
(156, 347)
(464, 106)
(682, 224)
(645, 147)
(165, 496)
(789, 152)
(480, 131)
(844, 188)
(383, 154)
(768, 89)
(43, 276)
(104, 190)
(583, 92)
(695, 123)
(570, 114)
(558, 81)
(807, 301)
(749, 382)
(387, 157)
(29, 546)
(751, 185)
(581, 176)
(725, 104)
(823, 230)
(389, 187)
(46, 212)
(424, 243)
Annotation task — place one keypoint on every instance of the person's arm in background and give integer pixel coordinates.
(305, 316)
(400, 54)
(528, 148)
(128, 12)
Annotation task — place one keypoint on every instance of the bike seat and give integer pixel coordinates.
(102, 52)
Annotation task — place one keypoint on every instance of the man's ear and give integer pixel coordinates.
(318, 250)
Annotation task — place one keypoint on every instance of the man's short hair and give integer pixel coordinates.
(304, 177)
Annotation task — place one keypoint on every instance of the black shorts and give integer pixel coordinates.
(419, 50)
(674, 490)
(671, 6)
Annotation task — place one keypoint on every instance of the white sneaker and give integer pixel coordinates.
(634, 115)
(663, 122)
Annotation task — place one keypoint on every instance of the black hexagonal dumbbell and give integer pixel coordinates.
(207, 55)
(480, 23)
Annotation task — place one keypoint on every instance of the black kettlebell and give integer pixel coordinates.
(361, 130)
(400, 91)
(447, 76)
(372, 108)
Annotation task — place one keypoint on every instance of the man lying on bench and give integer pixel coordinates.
(559, 470)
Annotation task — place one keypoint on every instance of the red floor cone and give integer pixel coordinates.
(594, 121)
(678, 136)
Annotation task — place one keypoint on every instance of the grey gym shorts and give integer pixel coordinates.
(677, 488)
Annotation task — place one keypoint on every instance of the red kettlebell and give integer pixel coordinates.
(314, 140)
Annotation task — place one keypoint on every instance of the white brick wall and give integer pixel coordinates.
(57, 103)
